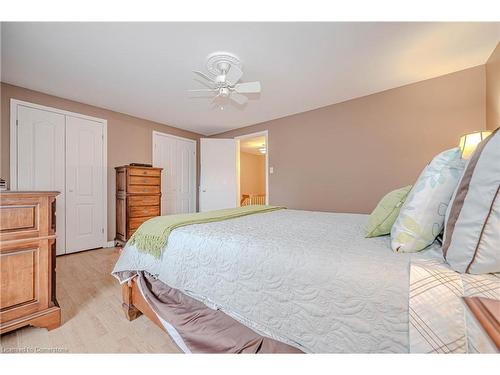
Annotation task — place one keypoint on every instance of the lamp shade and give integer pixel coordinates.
(469, 142)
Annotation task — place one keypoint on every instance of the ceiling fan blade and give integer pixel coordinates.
(233, 75)
(209, 85)
(238, 98)
(202, 90)
(247, 87)
(203, 75)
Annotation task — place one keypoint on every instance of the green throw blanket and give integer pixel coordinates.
(152, 236)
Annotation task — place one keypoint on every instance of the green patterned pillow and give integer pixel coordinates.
(385, 214)
(421, 218)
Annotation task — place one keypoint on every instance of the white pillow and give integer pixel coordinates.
(421, 218)
(471, 241)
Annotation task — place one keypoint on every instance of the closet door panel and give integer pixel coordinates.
(178, 160)
(186, 165)
(40, 158)
(84, 181)
(165, 157)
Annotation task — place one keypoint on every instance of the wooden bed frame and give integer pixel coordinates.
(134, 304)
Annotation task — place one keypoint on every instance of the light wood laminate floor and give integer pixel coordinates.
(92, 318)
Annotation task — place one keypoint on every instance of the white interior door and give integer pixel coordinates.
(177, 157)
(40, 158)
(85, 211)
(219, 174)
(186, 176)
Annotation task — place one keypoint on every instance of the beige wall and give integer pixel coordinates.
(129, 138)
(493, 90)
(346, 156)
(252, 173)
(342, 158)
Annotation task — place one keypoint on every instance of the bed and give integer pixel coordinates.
(301, 281)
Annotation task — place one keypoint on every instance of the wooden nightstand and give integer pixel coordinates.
(487, 312)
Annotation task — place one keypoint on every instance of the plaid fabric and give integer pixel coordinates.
(439, 320)
(479, 286)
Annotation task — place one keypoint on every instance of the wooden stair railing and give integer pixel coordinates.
(243, 200)
(252, 199)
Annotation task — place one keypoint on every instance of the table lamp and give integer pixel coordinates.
(469, 142)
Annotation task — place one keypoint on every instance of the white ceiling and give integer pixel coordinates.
(144, 69)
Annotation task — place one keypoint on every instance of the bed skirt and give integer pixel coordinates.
(196, 328)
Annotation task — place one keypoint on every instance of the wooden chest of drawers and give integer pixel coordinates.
(138, 193)
(28, 260)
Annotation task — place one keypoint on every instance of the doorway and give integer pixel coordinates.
(223, 178)
(253, 161)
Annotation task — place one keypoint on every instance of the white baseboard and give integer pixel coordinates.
(110, 244)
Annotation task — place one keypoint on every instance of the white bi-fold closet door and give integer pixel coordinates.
(57, 150)
(40, 159)
(84, 181)
(177, 157)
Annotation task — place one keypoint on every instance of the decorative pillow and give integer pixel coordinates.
(421, 218)
(472, 230)
(385, 214)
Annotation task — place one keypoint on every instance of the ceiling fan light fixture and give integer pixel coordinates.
(224, 73)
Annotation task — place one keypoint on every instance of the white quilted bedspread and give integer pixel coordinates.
(309, 279)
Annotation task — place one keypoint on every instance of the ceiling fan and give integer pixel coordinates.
(226, 71)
